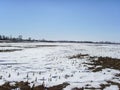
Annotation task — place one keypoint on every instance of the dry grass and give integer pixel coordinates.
(25, 86)
(102, 62)
(97, 64)
(105, 62)
(79, 56)
(78, 89)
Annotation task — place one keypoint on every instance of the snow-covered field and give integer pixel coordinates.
(49, 63)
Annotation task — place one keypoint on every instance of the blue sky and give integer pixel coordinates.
(94, 20)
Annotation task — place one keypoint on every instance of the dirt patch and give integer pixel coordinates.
(114, 83)
(98, 63)
(105, 62)
(109, 83)
(7, 86)
(78, 88)
(117, 75)
(58, 87)
(102, 86)
(79, 56)
(25, 86)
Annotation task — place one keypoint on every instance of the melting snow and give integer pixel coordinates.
(52, 66)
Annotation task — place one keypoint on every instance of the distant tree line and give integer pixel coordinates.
(14, 39)
(19, 38)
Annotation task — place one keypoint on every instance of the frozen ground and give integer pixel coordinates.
(48, 63)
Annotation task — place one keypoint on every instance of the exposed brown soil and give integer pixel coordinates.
(79, 56)
(78, 89)
(7, 86)
(105, 62)
(114, 83)
(97, 64)
(25, 86)
(102, 62)
(58, 87)
(102, 86)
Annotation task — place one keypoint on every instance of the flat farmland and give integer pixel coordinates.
(59, 66)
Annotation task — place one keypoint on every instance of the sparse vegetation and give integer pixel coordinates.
(25, 86)
(99, 63)
(105, 62)
(79, 56)
(56, 66)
